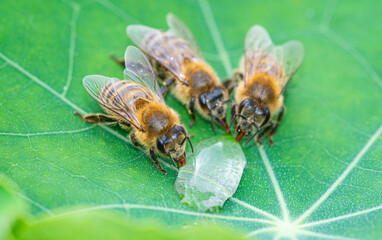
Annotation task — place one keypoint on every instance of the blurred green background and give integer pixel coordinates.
(321, 179)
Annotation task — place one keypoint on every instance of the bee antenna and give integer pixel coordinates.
(189, 141)
(172, 160)
(267, 116)
(234, 116)
(213, 123)
(184, 139)
(240, 115)
(226, 101)
(258, 129)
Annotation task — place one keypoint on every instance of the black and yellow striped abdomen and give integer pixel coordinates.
(135, 103)
(124, 96)
(166, 46)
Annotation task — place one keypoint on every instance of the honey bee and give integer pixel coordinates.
(265, 70)
(195, 83)
(137, 103)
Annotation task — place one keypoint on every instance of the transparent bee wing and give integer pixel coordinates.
(258, 39)
(167, 49)
(137, 33)
(106, 92)
(291, 55)
(95, 84)
(262, 56)
(179, 29)
(138, 70)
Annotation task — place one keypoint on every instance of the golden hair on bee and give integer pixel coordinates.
(265, 70)
(193, 82)
(136, 103)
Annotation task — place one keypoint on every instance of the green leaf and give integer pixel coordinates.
(322, 178)
(105, 225)
(212, 173)
(92, 224)
(12, 208)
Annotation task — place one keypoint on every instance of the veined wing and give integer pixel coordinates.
(169, 50)
(118, 96)
(179, 29)
(290, 55)
(263, 57)
(138, 70)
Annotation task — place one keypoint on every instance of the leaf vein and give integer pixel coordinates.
(328, 13)
(341, 178)
(275, 184)
(117, 11)
(73, 32)
(342, 217)
(44, 209)
(322, 235)
(261, 230)
(255, 209)
(48, 133)
(165, 209)
(211, 23)
(341, 42)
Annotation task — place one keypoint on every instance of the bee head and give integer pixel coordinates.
(250, 115)
(214, 102)
(173, 144)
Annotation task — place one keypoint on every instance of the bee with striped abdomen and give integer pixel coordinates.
(194, 82)
(137, 103)
(266, 70)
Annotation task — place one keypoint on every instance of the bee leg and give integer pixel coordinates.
(238, 76)
(160, 71)
(192, 112)
(233, 113)
(155, 161)
(134, 140)
(275, 126)
(120, 61)
(231, 83)
(166, 84)
(213, 123)
(98, 118)
(124, 125)
(262, 134)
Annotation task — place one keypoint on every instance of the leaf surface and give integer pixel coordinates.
(321, 179)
